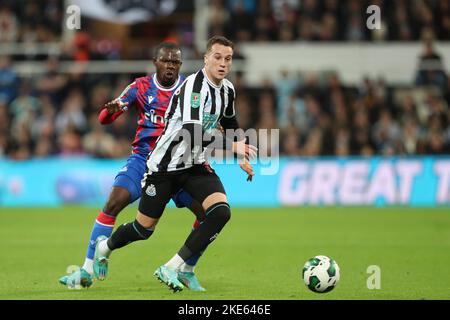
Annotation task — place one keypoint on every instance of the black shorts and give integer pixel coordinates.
(199, 181)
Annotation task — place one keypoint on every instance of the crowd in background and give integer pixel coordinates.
(328, 20)
(55, 114)
(263, 20)
(31, 21)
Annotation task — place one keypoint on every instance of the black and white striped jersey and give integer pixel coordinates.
(194, 111)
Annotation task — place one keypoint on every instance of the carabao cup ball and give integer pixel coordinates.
(321, 274)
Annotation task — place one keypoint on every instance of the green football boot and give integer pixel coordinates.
(169, 277)
(190, 280)
(100, 262)
(80, 277)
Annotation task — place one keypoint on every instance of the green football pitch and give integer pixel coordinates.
(258, 255)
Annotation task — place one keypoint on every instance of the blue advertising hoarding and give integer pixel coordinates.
(417, 181)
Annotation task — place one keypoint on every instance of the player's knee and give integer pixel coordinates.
(219, 212)
(143, 231)
(146, 221)
(113, 207)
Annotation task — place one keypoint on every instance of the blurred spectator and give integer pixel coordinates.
(4, 128)
(290, 142)
(342, 142)
(69, 143)
(239, 26)
(97, 142)
(244, 111)
(71, 114)
(436, 143)
(312, 114)
(247, 5)
(313, 143)
(52, 82)
(410, 136)
(266, 111)
(25, 106)
(360, 132)
(443, 23)
(293, 112)
(285, 87)
(218, 16)
(386, 133)
(408, 110)
(8, 25)
(8, 79)
(265, 26)
(431, 70)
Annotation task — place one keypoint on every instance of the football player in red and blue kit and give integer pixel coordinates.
(151, 96)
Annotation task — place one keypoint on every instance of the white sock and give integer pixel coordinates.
(187, 268)
(175, 262)
(88, 266)
(103, 248)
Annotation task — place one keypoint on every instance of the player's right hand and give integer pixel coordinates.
(115, 106)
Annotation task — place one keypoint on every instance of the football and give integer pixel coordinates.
(321, 274)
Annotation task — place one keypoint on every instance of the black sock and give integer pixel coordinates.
(127, 233)
(216, 218)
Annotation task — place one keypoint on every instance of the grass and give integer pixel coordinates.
(258, 255)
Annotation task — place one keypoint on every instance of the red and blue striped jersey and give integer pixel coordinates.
(151, 100)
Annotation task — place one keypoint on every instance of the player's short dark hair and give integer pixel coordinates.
(219, 39)
(165, 45)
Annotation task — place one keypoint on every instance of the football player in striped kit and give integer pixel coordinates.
(177, 162)
(150, 95)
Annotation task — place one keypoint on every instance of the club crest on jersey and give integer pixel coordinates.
(195, 100)
(151, 190)
(150, 99)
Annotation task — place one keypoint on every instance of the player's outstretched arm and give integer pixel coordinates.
(112, 110)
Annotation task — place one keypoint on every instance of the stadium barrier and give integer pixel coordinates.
(412, 181)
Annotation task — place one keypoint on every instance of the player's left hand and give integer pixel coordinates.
(115, 106)
(243, 150)
(220, 128)
(248, 168)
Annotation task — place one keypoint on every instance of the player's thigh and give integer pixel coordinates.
(157, 190)
(205, 187)
(130, 176)
(182, 199)
(213, 199)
